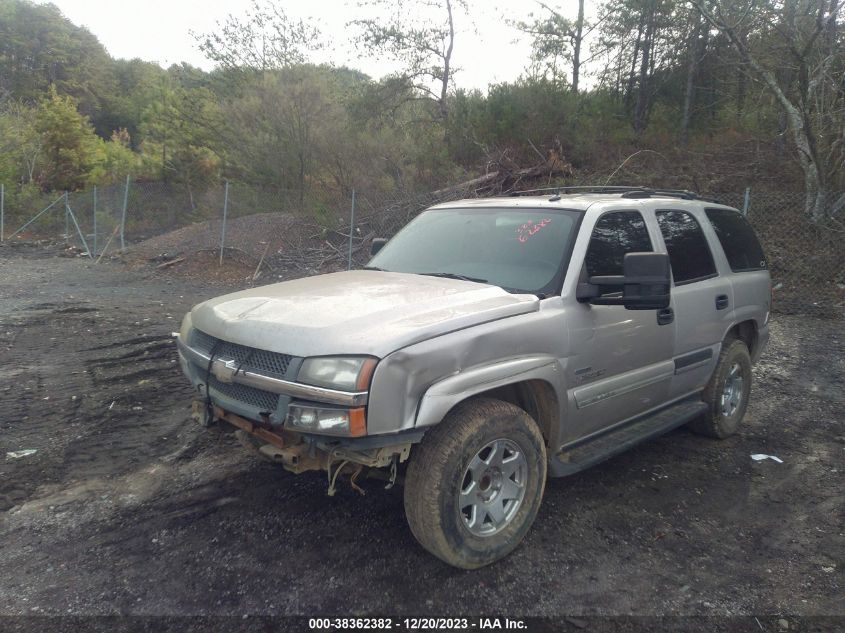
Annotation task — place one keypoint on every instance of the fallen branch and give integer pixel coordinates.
(216, 249)
(106, 247)
(261, 261)
(170, 263)
(629, 158)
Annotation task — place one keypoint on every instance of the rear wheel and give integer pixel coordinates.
(474, 485)
(726, 395)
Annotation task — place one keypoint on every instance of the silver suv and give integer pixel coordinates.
(490, 344)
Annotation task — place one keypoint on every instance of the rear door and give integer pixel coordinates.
(701, 298)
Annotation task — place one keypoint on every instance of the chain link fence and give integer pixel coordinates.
(284, 233)
(806, 256)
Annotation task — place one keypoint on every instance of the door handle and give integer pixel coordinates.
(721, 302)
(665, 316)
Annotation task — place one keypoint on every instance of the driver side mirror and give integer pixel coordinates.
(646, 284)
(377, 244)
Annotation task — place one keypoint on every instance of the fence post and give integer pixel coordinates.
(2, 209)
(69, 214)
(67, 222)
(746, 201)
(225, 211)
(123, 214)
(95, 219)
(351, 231)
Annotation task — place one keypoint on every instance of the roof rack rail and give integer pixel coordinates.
(626, 191)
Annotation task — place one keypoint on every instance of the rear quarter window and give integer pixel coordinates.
(741, 246)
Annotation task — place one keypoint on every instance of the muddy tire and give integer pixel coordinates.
(726, 395)
(474, 484)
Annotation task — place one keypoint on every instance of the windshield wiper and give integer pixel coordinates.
(456, 276)
(373, 268)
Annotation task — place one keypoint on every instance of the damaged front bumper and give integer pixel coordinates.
(264, 408)
(301, 452)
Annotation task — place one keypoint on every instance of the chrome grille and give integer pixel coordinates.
(254, 360)
(264, 401)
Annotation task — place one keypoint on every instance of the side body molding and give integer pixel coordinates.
(446, 393)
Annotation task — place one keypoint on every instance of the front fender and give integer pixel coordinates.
(439, 399)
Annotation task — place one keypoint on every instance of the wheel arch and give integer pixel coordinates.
(747, 332)
(537, 398)
(532, 388)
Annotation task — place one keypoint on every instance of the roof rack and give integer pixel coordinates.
(626, 191)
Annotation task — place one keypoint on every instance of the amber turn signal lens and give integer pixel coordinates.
(357, 422)
(366, 374)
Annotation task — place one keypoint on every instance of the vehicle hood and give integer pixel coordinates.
(356, 312)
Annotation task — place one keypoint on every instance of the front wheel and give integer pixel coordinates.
(474, 485)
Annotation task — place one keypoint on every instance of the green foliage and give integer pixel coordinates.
(533, 116)
(20, 144)
(180, 128)
(69, 145)
(280, 123)
(420, 37)
(39, 48)
(266, 39)
(114, 160)
(551, 46)
(70, 116)
(138, 85)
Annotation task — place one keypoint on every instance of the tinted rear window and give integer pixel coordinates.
(741, 246)
(689, 253)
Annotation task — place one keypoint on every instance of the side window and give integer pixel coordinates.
(737, 238)
(615, 234)
(689, 253)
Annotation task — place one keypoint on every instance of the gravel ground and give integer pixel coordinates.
(127, 508)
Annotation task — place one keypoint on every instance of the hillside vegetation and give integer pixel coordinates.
(707, 95)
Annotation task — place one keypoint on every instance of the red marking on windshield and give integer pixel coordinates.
(530, 229)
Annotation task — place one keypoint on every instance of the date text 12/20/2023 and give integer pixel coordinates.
(416, 624)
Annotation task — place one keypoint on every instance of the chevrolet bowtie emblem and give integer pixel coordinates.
(224, 370)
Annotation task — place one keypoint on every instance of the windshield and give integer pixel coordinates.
(521, 250)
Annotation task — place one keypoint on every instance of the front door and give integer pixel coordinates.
(621, 364)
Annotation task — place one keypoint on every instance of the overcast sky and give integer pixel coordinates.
(159, 30)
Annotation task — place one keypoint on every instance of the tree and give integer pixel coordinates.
(138, 86)
(697, 50)
(807, 38)
(114, 159)
(556, 40)
(421, 42)
(577, 40)
(277, 126)
(646, 63)
(40, 48)
(266, 39)
(647, 36)
(20, 144)
(68, 141)
(182, 131)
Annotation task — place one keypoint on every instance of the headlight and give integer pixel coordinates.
(185, 329)
(342, 373)
(330, 421)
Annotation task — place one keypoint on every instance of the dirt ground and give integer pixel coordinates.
(126, 507)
